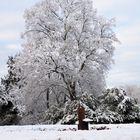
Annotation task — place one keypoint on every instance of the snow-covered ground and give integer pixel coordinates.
(70, 132)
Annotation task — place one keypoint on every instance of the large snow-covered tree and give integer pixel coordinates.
(67, 51)
(68, 48)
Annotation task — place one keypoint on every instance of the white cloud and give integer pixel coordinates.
(9, 19)
(121, 78)
(9, 35)
(10, 26)
(14, 47)
(129, 49)
(130, 35)
(111, 5)
(128, 56)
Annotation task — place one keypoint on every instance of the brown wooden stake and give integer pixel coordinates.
(81, 116)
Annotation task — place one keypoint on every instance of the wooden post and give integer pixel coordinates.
(81, 116)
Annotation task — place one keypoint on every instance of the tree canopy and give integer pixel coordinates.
(67, 51)
(68, 48)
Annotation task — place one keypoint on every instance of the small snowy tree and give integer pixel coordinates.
(10, 79)
(11, 93)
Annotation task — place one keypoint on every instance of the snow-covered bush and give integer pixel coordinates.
(114, 106)
(68, 113)
(9, 114)
(107, 116)
(117, 107)
(53, 115)
(89, 102)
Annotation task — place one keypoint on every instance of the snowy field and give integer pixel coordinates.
(70, 132)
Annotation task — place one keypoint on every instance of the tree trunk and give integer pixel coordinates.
(47, 98)
(65, 99)
(73, 91)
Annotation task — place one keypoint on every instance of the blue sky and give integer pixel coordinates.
(126, 69)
